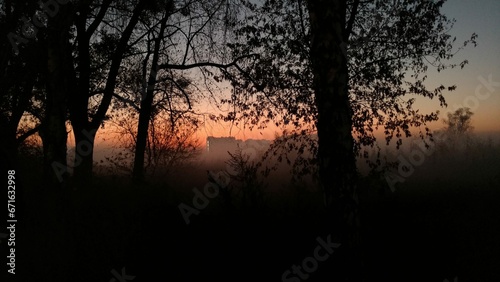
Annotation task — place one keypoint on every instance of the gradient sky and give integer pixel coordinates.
(481, 17)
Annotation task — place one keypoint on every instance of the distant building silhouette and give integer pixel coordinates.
(218, 147)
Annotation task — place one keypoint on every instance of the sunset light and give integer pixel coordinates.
(250, 140)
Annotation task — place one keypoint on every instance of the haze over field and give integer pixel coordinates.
(262, 140)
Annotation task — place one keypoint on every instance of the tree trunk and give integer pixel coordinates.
(55, 202)
(53, 130)
(337, 166)
(84, 155)
(146, 109)
(142, 136)
(83, 132)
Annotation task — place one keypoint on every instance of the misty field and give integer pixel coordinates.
(441, 223)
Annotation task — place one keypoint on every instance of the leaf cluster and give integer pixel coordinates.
(390, 46)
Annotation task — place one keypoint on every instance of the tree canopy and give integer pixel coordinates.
(459, 122)
(390, 46)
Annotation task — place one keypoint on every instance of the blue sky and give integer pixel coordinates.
(483, 18)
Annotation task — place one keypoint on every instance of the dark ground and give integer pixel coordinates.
(443, 222)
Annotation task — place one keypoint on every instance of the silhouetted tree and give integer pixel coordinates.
(340, 68)
(196, 29)
(459, 122)
(146, 106)
(245, 173)
(390, 47)
(66, 36)
(167, 146)
(457, 134)
(336, 154)
(107, 29)
(20, 67)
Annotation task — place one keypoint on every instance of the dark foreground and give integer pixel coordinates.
(430, 229)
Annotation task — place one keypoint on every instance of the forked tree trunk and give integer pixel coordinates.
(146, 109)
(85, 130)
(337, 167)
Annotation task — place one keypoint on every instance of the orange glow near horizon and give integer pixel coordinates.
(478, 83)
(485, 119)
